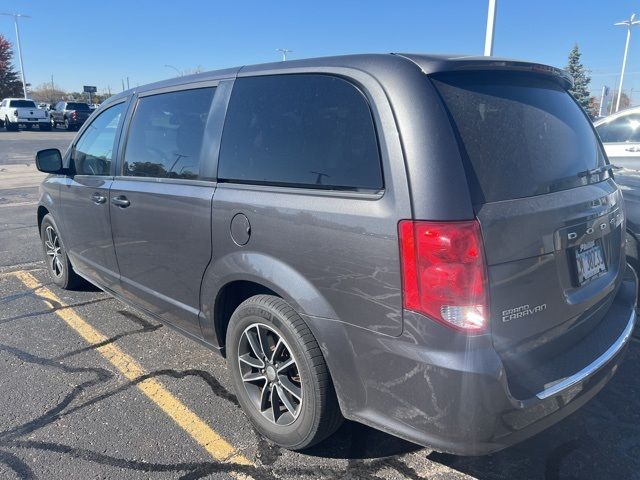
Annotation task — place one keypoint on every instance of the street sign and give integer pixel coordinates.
(90, 89)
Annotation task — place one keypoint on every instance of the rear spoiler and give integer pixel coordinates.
(440, 64)
(561, 75)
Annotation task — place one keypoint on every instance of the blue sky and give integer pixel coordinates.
(102, 43)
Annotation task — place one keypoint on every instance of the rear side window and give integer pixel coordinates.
(313, 131)
(621, 129)
(22, 104)
(520, 135)
(165, 136)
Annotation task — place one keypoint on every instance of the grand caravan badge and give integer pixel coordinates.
(522, 311)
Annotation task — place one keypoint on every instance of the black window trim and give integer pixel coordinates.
(135, 101)
(292, 187)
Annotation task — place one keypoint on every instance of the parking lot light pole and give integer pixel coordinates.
(15, 21)
(491, 22)
(629, 24)
(176, 69)
(284, 52)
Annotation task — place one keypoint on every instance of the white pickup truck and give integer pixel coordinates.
(21, 111)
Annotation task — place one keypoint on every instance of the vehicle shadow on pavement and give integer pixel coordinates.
(355, 441)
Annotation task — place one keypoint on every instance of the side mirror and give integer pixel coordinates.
(49, 160)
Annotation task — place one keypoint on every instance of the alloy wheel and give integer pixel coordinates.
(53, 250)
(270, 374)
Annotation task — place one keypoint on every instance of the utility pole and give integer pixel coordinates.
(629, 24)
(491, 23)
(284, 52)
(128, 87)
(15, 21)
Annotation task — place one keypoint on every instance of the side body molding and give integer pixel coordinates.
(265, 270)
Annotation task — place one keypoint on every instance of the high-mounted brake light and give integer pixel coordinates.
(444, 273)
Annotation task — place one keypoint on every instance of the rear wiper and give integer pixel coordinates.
(596, 171)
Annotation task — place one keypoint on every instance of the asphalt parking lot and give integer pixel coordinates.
(93, 389)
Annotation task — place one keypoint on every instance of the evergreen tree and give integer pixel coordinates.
(581, 80)
(10, 84)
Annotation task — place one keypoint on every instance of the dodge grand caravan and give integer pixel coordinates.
(431, 246)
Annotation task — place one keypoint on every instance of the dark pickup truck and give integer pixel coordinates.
(70, 114)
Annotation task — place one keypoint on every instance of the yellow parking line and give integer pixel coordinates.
(202, 433)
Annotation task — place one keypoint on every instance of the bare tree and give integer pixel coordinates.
(47, 92)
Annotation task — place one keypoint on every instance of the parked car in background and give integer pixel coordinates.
(620, 135)
(17, 112)
(629, 181)
(429, 245)
(70, 114)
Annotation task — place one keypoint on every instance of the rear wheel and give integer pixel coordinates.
(279, 374)
(53, 123)
(67, 125)
(55, 255)
(10, 126)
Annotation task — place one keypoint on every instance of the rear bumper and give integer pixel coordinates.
(455, 396)
(27, 121)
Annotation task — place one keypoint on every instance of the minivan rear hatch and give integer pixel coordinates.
(551, 216)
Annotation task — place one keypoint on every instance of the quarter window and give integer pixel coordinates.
(165, 137)
(622, 129)
(313, 131)
(93, 152)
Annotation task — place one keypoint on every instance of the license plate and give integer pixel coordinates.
(590, 262)
(33, 119)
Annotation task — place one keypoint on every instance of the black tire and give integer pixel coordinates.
(11, 127)
(45, 127)
(1, 123)
(63, 276)
(53, 124)
(319, 413)
(67, 125)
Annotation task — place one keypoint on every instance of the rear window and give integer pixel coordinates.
(22, 104)
(77, 106)
(309, 131)
(520, 135)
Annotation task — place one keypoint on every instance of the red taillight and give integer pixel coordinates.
(73, 115)
(444, 274)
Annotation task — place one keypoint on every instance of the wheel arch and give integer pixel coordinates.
(232, 279)
(42, 211)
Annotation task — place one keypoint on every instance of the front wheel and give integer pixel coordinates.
(55, 255)
(279, 374)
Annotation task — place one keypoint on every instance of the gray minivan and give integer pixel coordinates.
(432, 246)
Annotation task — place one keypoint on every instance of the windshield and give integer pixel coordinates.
(22, 104)
(77, 106)
(520, 135)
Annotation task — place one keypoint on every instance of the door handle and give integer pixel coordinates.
(121, 201)
(98, 199)
(632, 149)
